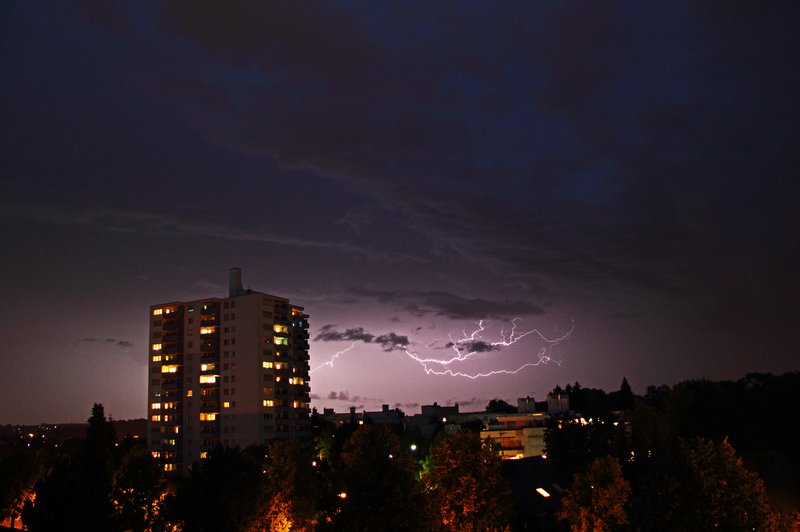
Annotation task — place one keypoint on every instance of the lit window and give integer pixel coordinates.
(208, 379)
(269, 402)
(155, 406)
(277, 379)
(543, 492)
(208, 416)
(169, 368)
(278, 365)
(157, 312)
(189, 393)
(295, 404)
(170, 442)
(267, 365)
(280, 341)
(207, 330)
(203, 455)
(156, 347)
(168, 310)
(156, 454)
(168, 406)
(155, 417)
(207, 367)
(156, 358)
(169, 467)
(280, 328)
(226, 404)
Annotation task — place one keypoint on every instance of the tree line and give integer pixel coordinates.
(688, 457)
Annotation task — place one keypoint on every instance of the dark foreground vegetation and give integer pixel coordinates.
(695, 456)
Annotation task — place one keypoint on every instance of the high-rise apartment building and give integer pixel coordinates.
(226, 371)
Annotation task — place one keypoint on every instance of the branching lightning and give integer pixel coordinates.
(333, 358)
(464, 349)
(467, 346)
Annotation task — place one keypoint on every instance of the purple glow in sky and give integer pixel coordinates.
(405, 171)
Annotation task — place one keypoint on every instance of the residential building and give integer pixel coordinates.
(226, 371)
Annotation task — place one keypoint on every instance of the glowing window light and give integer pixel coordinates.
(267, 365)
(342, 495)
(156, 454)
(158, 312)
(155, 418)
(156, 347)
(543, 492)
(208, 379)
(189, 393)
(207, 330)
(203, 455)
(155, 406)
(207, 367)
(156, 358)
(268, 402)
(295, 404)
(280, 340)
(171, 368)
(226, 404)
(208, 416)
(169, 467)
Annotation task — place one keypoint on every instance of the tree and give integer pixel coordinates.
(223, 491)
(289, 501)
(377, 486)
(625, 395)
(500, 406)
(76, 494)
(19, 472)
(138, 489)
(597, 499)
(462, 477)
(703, 485)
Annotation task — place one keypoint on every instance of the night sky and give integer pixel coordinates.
(403, 170)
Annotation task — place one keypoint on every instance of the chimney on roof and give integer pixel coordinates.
(235, 282)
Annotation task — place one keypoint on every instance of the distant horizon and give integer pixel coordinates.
(377, 407)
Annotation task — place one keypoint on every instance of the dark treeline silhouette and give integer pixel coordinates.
(692, 456)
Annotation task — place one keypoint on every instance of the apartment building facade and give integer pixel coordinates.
(226, 371)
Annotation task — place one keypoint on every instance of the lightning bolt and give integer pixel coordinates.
(506, 339)
(334, 357)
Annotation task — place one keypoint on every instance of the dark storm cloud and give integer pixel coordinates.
(473, 346)
(120, 343)
(346, 397)
(471, 402)
(341, 396)
(592, 140)
(392, 341)
(496, 159)
(450, 305)
(328, 333)
(388, 342)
